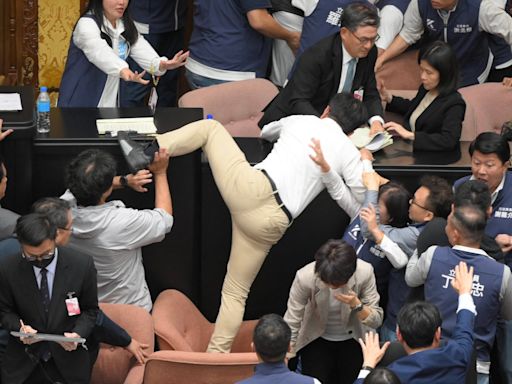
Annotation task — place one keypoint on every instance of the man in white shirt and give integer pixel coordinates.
(264, 199)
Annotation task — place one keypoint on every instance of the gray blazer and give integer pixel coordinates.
(308, 305)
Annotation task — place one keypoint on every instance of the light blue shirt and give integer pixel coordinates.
(50, 274)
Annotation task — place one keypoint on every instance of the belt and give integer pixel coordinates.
(277, 197)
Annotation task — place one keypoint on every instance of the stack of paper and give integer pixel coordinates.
(362, 139)
(144, 125)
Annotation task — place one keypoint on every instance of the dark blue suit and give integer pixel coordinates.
(446, 364)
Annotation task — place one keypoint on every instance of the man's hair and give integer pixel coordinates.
(442, 58)
(360, 14)
(336, 262)
(418, 322)
(90, 175)
(348, 112)
(473, 193)
(381, 376)
(34, 228)
(271, 338)
(470, 221)
(490, 142)
(396, 199)
(55, 209)
(440, 195)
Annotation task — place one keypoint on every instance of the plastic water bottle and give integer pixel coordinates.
(43, 111)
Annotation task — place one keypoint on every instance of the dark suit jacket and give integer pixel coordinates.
(438, 128)
(316, 80)
(446, 364)
(20, 299)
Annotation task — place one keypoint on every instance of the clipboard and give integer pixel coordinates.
(49, 337)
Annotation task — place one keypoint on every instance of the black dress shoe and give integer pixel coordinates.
(137, 155)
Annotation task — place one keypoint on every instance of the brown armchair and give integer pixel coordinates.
(115, 365)
(237, 105)
(183, 334)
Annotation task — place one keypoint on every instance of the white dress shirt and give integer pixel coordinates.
(298, 179)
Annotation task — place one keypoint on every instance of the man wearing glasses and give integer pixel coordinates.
(343, 62)
(46, 289)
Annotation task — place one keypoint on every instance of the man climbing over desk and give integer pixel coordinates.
(264, 199)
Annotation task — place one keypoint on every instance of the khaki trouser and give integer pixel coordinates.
(257, 220)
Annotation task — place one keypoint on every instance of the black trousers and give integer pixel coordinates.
(45, 372)
(332, 362)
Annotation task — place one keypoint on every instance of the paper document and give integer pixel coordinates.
(144, 125)
(10, 102)
(362, 139)
(49, 337)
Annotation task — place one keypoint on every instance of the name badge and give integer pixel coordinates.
(359, 94)
(153, 99)
(72, 305)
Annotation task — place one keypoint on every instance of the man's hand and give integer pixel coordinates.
(463, 281)
(369, 215)
(383, 92)
(160, 162)
(505, 242)
(507, 81)
(6, 133)
(372, 351)
(366, 154)
(138, 350)
(399, 130)
(349, 298)
(379, 63)
(376, 127)
(28, 329)
(371, 180)
(139, 180)
(318, 158)
(294, 41)
(127, 75)
(69, 345)
(177, 61)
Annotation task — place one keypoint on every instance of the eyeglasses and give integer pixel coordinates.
(70, 229)
(365, 40)
(44, 256)
(412, 201)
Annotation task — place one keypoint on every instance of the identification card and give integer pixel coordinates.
(359, 94)
(153, 98)
(72, 306)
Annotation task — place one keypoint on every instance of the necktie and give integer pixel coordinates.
(44, 351)
(351, 69)
(45, 293)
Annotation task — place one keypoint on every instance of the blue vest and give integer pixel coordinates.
(501, 51)
(487, 282)
(501, 218)
(370, 252)
(278, 373)
(398, 291)
(400, 4)
(323, 22)
(223, 38)
(82, 83)
(463, 35)
(161, 15)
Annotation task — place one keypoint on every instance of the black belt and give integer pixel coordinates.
(277, 197)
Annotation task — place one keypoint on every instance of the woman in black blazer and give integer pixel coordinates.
(433, 119)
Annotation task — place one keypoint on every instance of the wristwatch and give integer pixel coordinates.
(358, 308)
(123, 181)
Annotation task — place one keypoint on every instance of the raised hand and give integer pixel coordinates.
(463, 281)
(318, 157)
(177, 61)
(135, 77)
(372, 351)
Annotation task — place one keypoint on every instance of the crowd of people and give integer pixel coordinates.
(427, 273)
